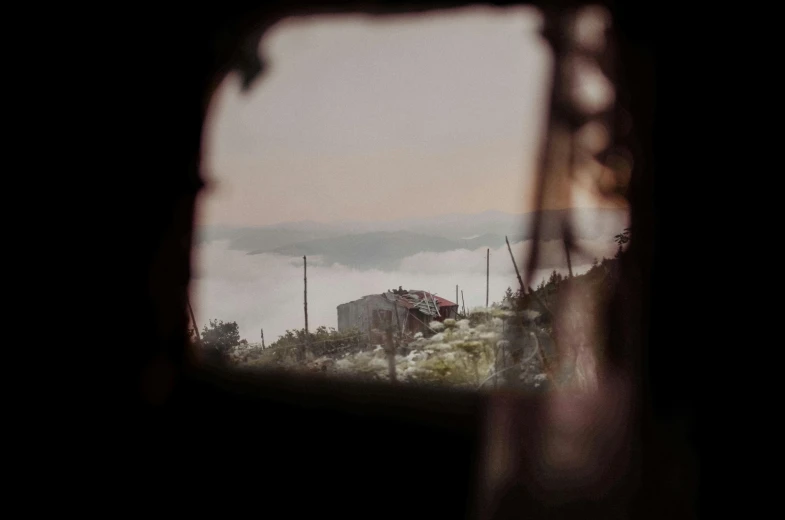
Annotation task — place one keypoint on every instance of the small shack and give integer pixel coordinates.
(407, 311)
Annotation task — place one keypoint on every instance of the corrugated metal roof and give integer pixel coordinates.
(443, 302)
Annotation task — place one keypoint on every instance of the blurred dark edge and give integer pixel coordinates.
(289, 447)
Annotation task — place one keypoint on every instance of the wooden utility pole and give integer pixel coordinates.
(463, 302)
(567, 240)
(305, 301)
(520, 281)
(456, 295)
(193, 321)
(262, 339)
(517, 273)
(487, 274)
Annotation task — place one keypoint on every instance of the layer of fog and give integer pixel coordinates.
(266, 291)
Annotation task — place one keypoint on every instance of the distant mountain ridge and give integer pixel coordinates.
(372, 244)
(381, 249)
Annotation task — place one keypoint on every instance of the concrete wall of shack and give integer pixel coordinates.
(368, 313)
(375, 311)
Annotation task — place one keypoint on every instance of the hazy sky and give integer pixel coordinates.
(375, 119)
(378, 119)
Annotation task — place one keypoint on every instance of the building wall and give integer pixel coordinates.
(352, 315)
(359, 313)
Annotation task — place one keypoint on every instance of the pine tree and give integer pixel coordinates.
(509, 299)
(621, 239)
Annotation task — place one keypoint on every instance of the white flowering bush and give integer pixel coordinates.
(469, 353)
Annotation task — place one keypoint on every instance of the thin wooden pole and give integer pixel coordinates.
(517, 273)
(305, 299)
(567, 238)
(487, 274)
(463, 302)
(567, 252)
(193, 321)
(523, 289)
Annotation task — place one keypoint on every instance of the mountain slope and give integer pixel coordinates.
(262, 239)
(382, 244)
(382, 250)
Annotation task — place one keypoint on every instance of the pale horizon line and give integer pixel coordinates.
(412, 217)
